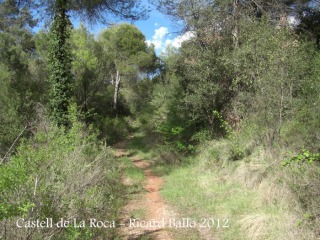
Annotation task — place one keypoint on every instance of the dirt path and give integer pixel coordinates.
(156, 212)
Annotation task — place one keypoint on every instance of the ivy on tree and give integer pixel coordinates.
(60, 64)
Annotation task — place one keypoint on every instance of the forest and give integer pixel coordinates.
(229, 123)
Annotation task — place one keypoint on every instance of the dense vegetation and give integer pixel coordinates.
(236, 107)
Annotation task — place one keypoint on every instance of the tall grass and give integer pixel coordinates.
(260, 198)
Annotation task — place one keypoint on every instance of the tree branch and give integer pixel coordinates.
(7, 153)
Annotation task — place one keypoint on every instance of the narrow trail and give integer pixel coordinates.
(156, 212)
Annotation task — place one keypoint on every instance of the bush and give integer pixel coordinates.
(59, 175)
(303, 179)
(112, 129)
(169, 155)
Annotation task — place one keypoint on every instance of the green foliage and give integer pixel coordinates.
(264, 80)
(230, 134)
(302, 132)
(126, 49)
(205, 81)
(303, 157)
(139, 95)
(60, 175)
(18, 56)
(244, 75)
(84, 56)
(59, 65)
(269, 66)
(10, 122)
(162, 117)
(88, 72)
(128, 56)
(112, 129)
(201, 136)
(237, 152)
(125, 40)
(302, 177)
(16, 41)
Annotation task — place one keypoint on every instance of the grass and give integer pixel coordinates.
(132, 178)
(203, 196)
(249, 193)
(139, 146)
(162, 169)
(135, 175)
(138, 213)
(253, 193)
(186, 233)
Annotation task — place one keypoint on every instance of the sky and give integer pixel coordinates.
(158, 29)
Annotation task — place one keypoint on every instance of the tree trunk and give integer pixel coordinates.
(116, 92)
(280, 113)
(235, 30)
(60, 64)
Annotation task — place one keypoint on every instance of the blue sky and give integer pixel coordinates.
(158, 29)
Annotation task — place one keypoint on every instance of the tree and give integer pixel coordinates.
(10, 124)
(125, 47)
(90, 73)
(243, 62)
(212, 19)
(309, 23)
(18, 89)
(98, 10)
(16, 37)
(16, 42)
(269, 65)
(59, 55)
(60, 64)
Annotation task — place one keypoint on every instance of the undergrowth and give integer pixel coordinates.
(261, 198)
(59, 174)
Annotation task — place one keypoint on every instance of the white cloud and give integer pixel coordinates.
(177, 41)
(161, 39)
(158, 38)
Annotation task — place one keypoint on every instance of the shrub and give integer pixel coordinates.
(305, 156)
(303, 179)
(112, 129)
(59, 175)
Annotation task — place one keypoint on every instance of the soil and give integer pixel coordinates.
(152, 206)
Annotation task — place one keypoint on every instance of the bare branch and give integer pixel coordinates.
(7, 153)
